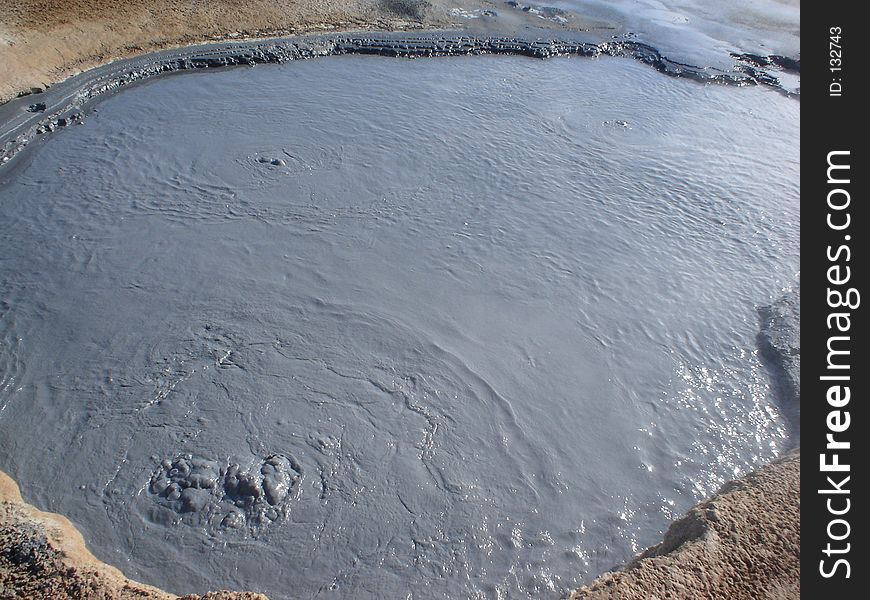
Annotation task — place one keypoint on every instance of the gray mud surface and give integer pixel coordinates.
(365, 326)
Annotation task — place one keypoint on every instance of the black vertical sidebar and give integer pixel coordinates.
(834, 338)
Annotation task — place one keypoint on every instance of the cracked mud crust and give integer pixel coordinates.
(744, 542)
(43, 557)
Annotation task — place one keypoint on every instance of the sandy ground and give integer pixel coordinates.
(43, 42)
(743, 543)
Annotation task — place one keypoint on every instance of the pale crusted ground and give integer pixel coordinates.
(43, 557)
(43, 42)
(743, 543)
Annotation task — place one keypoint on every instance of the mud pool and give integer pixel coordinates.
(466, 327)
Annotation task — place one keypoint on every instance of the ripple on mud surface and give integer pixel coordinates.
(467, 340)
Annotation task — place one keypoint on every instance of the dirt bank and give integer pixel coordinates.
(43, 557)
(744, 542)
(43, 42)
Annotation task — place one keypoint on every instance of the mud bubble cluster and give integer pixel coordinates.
(226, 495)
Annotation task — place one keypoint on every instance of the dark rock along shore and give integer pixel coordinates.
(68, 107)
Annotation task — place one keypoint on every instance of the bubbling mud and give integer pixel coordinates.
(209, 494)
(490, 326)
